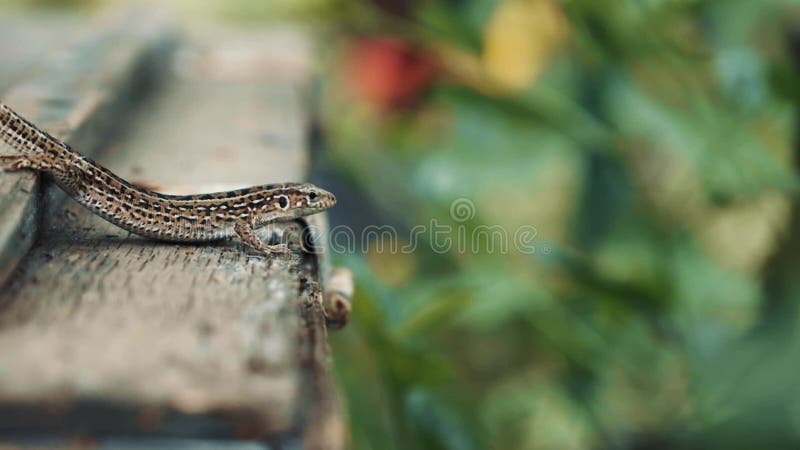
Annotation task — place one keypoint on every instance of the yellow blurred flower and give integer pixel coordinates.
(519, 39)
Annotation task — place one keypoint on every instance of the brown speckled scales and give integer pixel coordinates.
(189, 218)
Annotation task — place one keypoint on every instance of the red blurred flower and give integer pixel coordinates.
(387, 72)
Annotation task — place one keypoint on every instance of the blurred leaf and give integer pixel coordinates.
(654, 157)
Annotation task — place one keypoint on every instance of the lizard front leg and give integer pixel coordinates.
(246, 233)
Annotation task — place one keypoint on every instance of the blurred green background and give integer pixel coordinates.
(652, 144)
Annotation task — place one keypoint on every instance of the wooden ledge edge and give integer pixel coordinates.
(325, 428)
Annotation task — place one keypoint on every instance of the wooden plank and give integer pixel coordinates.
(25, 38)
(107, 333)
(79, 96)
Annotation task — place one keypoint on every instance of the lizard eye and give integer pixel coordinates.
(312, 195)
(283, 202)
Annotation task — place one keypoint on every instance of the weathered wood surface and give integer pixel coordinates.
(76, 95)
(25, 38)
(104, 333)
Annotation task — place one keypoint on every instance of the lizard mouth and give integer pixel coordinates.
(326, 200)
(330, 202)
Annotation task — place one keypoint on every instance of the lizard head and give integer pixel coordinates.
(292, 200)
(310, 199)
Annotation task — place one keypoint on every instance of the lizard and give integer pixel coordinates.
(144, 212)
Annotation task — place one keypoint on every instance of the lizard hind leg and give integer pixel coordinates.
(21, 161)
(247, 234)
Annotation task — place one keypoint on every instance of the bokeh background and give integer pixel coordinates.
(653, 146)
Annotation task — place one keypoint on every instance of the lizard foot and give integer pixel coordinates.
(282, 251)
(15, 162)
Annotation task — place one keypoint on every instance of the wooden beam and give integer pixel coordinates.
(104, 333)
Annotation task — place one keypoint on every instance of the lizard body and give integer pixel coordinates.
(181, 218)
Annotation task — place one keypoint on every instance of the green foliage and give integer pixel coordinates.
(654, 157)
